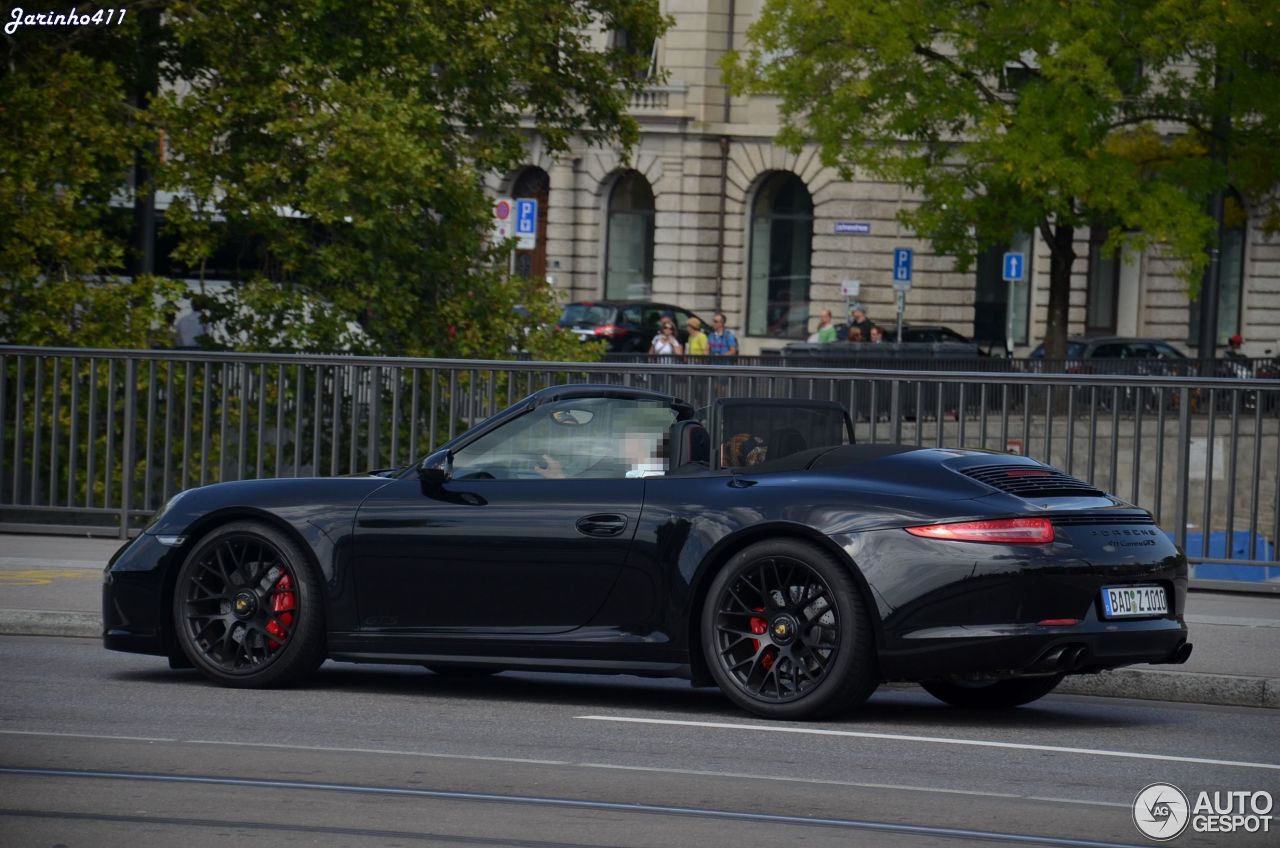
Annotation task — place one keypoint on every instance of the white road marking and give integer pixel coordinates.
(607, 766)
(85, 736)
(936, 740)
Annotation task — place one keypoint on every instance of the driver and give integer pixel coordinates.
(639, 455)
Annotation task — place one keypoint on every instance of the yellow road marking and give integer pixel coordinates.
(43, 576)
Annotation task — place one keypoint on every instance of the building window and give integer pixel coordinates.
(1235, 223)
(623, 40)
(781, 253)
(991, 310)
(629, 247)
(1103, 290)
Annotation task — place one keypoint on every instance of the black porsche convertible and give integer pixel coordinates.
(751, 545)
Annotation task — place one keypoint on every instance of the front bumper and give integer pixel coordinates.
(135, 597)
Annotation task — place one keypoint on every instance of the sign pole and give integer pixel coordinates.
(902, 300)
(1014, 269)
(1008, 323)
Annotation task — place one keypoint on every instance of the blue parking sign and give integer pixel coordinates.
(527, 216)
(902, 264)
(1014, 267)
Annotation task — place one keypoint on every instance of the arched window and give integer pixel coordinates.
(781, 251)
(629, 248)
(533, 183)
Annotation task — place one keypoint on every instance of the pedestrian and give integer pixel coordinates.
(697, 345)
(855, 334)
(1233, 347)
(722, 341)
(826, 333)
(861, 321)
(666, 345)
(877, 334)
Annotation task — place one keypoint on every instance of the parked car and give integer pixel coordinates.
(924, 333)
(629, 325)
(1121, 355)
(607, 529)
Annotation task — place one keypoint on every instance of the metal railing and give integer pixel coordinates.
(94, 441)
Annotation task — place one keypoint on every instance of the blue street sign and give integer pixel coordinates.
(527, 217)
(853, 228)
(1013, 266)
(902, 264)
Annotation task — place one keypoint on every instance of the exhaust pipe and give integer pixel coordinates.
(1180, 654)
(1071, 657)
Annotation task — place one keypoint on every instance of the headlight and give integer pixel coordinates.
(155, 519)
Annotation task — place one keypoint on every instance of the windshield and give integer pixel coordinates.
(588, 314)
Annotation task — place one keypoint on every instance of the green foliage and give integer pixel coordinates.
(1012, 115)
(337, 150)
(66, 142)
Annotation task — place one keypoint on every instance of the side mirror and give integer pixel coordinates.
(436, 469)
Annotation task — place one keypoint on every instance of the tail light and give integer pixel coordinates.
(1009, 531)
(610, 331)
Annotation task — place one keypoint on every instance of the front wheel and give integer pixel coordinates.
(996, 694)
(247, 608)
(786, 634)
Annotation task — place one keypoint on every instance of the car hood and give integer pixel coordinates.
(319, 501)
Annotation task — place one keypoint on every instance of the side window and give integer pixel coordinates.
(631, 315)
(1164, 351)
(587, 438)
(652, 315)
(1109, 351)
(1141, 350)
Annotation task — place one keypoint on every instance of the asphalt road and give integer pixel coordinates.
(100, 749)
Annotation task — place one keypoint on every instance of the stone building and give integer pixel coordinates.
(710, 214)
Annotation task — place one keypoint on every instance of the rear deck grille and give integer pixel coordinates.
(1031, 481)
(1078, 520)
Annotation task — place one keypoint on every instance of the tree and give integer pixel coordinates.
(330, 157)
(67, 138)
(1014, 115)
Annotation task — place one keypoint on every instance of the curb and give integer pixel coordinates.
(1143, 684)
(50, 623)
(1185, 686)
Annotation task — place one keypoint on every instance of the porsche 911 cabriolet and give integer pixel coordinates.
(751, 545)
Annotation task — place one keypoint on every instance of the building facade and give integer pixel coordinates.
(710, 214)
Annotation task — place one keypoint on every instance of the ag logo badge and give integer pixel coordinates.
(1161, 811)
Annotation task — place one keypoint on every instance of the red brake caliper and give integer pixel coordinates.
(283, 602)
(758, 627)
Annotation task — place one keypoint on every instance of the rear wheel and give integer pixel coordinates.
(993, 694)
(786, 634)
(247, 608)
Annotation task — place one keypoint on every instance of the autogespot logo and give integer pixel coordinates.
(1160, 811)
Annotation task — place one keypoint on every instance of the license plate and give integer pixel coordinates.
(1133, 601)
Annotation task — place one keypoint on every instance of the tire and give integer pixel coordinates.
(809, 652)
(998, 694)
(248, 609)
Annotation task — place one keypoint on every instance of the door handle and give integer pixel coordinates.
(603, 524)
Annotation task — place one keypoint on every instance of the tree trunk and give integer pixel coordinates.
(1062, 256)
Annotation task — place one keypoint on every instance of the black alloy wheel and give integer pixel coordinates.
(246, 608)
(993, 694)
(786, 634)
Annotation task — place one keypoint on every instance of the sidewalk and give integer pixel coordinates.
(52, 586)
